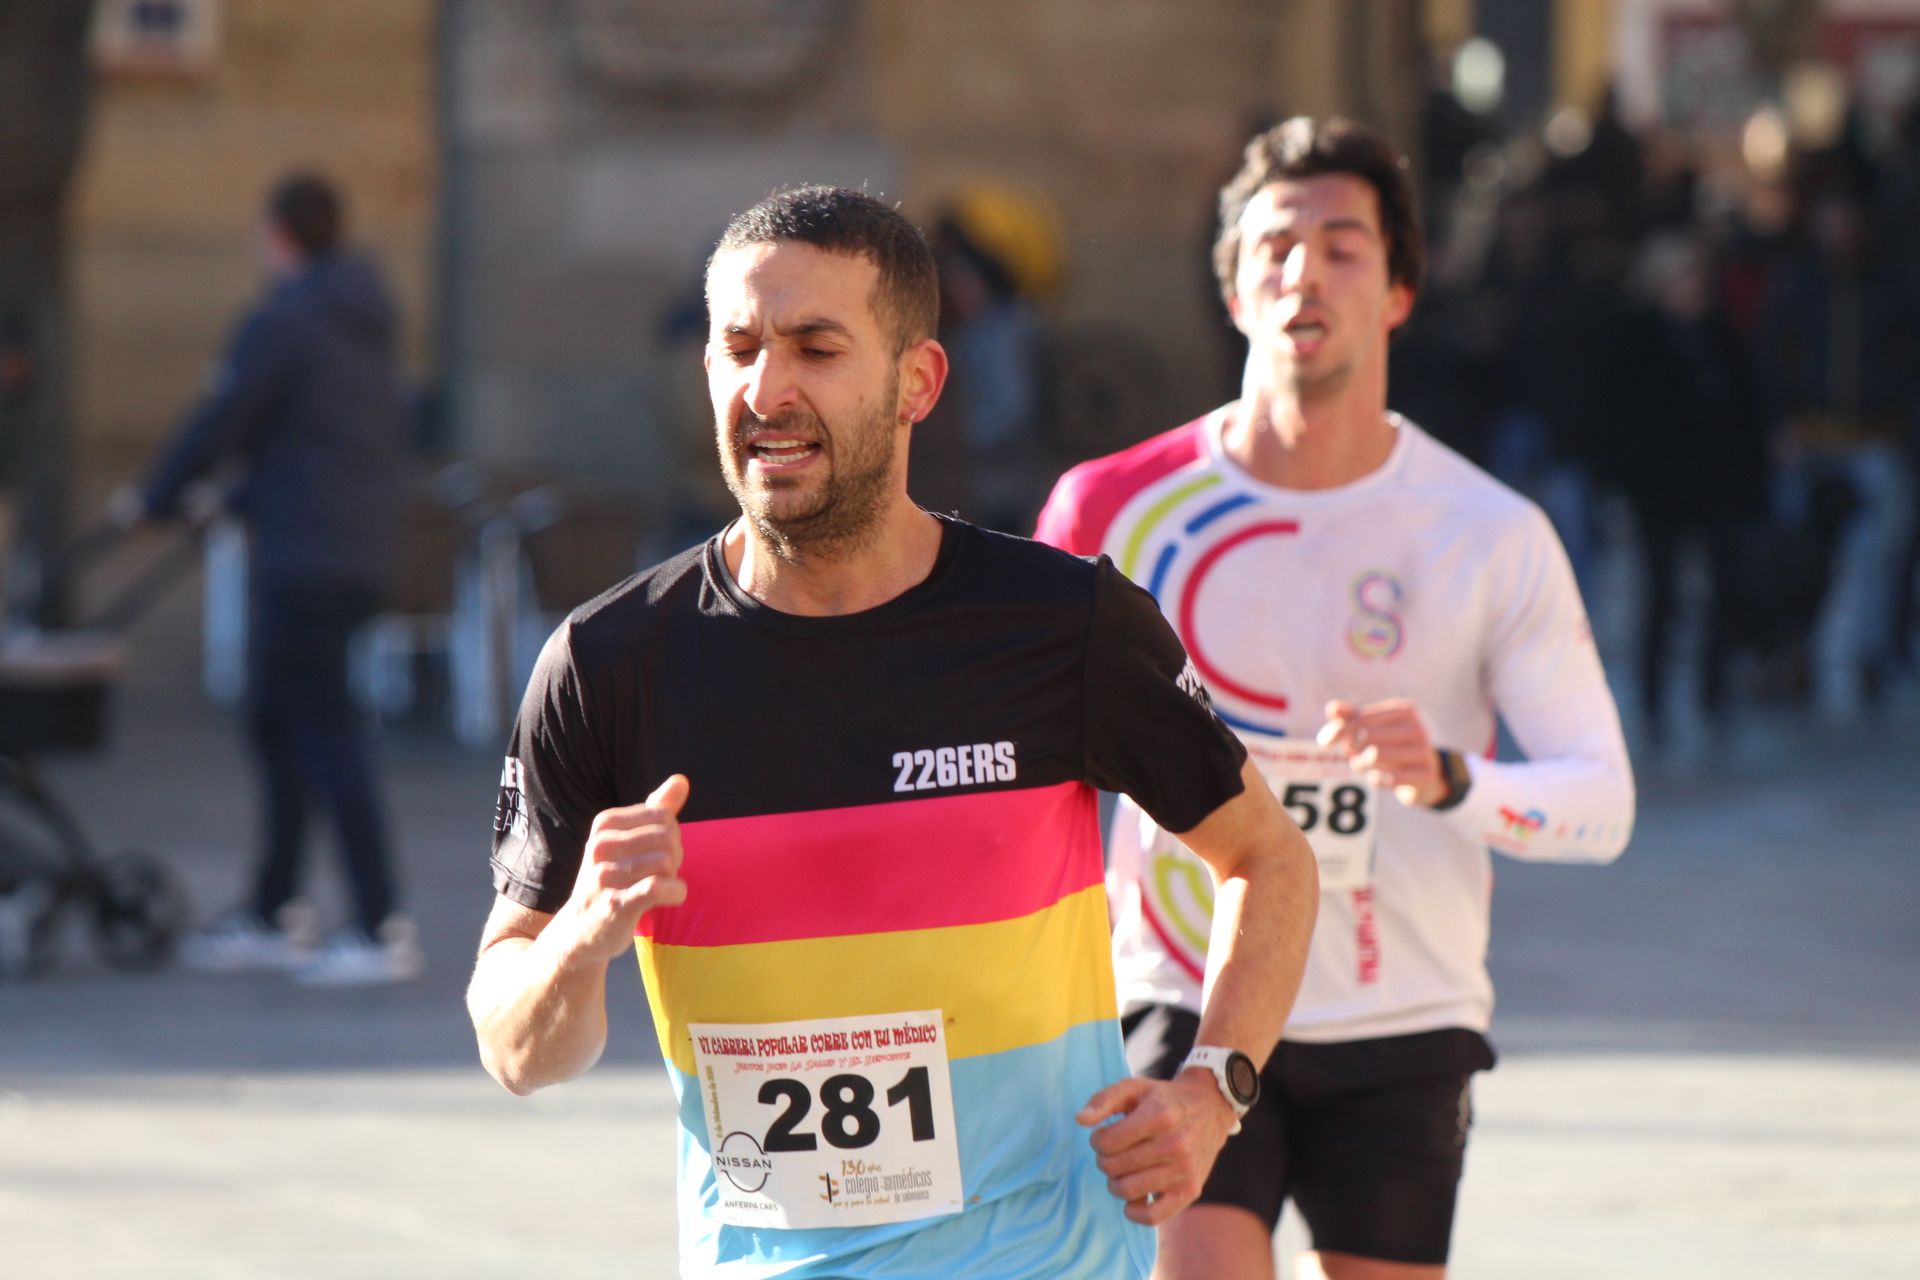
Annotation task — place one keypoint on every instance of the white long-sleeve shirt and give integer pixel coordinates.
(1426, 579)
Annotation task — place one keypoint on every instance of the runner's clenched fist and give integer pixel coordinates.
(1389, 745)
(631, 865)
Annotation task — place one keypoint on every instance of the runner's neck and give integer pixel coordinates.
(1290, 446)
(898, 557)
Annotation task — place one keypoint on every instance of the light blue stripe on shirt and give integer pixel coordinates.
(1042, 1208)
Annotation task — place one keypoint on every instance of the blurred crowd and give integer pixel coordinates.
(1700, 356)
(1723, 346)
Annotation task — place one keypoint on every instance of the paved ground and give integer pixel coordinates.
(1711, 1051)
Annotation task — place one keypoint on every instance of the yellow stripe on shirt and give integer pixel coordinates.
(1002, 985)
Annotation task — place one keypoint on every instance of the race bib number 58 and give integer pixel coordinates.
(833, 1122)
(1333, 807)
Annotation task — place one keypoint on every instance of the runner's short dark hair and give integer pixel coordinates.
(907, 298)
(307, 207)
(1304, 147)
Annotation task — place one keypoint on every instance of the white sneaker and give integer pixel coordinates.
(349, 958)
(241, 942)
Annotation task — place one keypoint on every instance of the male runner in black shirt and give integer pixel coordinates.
(835, 770)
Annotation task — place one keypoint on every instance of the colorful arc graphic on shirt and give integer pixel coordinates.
(1190, 594)
(1150, 520)
(1130, 564)
(1189, 915)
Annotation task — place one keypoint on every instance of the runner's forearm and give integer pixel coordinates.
(538, 1019)
(1268, 894)
(1571, 800)
(1262, 922)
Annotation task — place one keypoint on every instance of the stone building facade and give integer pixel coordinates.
(596, 147)
(543, 178)
(175, 168)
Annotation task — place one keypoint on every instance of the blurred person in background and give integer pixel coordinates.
(1574, 226)
(993, 334)
(1548, 301)
(1689, 453)
(306, 406)
(1450, 132)
(1361, 603)
(1839, 358)
(1901, 216)
(1608, 175)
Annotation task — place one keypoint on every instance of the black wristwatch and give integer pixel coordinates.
(1453, 771)
(1234, 1071)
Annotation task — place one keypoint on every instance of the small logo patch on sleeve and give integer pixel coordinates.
(1191, 685)
(510, 811)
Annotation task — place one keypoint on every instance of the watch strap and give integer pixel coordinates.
(1214, 1059)
(1459, 779)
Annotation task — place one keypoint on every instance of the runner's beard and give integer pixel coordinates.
(842, 510)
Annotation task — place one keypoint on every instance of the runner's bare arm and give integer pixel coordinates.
(538, 994)
(1169, 1132)
(1267, 896)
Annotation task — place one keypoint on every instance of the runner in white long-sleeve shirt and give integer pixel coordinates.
(1362, 604)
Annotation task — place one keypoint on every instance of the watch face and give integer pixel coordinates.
(1243, 1079)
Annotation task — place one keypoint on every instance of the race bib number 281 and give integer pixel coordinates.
(832, 1122)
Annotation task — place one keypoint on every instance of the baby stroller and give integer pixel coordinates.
(55, 686)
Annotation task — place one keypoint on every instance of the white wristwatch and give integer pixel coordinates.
(1235, 1073)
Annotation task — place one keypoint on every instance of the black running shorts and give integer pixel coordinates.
(1367, 1137)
